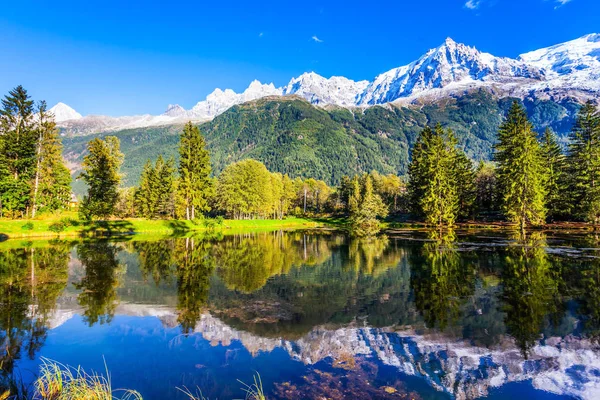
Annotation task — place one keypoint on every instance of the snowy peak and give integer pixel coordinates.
(571, 57)
(319, 90)
(569, 69)
(175, 110)
(63, 112)
(451, 63)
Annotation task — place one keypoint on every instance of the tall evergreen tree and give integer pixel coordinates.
(556, 187)
(195, 185)
(432, 177)
(521, 169)
(584, 164)
(155, 195)
(18, 151)
(52, 181)
(464, 178)
(101, 173)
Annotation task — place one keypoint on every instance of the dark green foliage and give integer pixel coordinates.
(17, 152)
(464, 176)
(52, 181)
(584, 164)
(195, 186)
(486, 194)
(155, 197)
(558, 198)
(101, 173)
(291, 136)
(521, 170)
(433, 174)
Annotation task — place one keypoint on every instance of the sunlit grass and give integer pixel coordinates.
(61, 382)
(254, 391)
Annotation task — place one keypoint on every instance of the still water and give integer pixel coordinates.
(316, 313)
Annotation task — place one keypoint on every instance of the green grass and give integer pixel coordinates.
(67, 225)
(61, 382)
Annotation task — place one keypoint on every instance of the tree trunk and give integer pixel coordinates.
(304, 200)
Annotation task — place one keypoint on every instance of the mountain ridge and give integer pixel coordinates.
(570, 69)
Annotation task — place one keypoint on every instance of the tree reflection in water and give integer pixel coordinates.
(98, 287)
(529, 289)
(441, 279)
(31, 280)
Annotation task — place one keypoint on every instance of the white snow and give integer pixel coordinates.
(63, 112)
(572, 67)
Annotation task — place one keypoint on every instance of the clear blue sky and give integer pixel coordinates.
(104, 57)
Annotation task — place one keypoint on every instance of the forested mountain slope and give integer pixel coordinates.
(292, 136)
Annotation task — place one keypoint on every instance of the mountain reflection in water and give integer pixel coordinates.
(316, 313)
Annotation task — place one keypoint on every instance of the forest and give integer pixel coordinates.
(533, 178)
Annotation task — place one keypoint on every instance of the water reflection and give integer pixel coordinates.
(31, 280)
(460, 313)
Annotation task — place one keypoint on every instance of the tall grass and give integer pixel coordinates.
(61, 382)
(254, 391)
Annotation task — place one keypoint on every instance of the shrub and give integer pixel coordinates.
(27, 226)
(57, 227)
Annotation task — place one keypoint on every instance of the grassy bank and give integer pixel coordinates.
(68, 225)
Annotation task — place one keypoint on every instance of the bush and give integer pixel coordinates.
(57, 227)
(69, 222)
(28, 226)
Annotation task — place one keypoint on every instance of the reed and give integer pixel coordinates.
(61, 382)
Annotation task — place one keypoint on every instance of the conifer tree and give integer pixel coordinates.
(355, 198)
(195, 185)
(464, 178)
(155, 195)
(521, 170)
(101, 173)
(432, 177)
(18, 150)
(584, 164)
(556, 187)
(52, 181)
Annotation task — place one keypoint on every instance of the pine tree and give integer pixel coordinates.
(155, 196)
(556, 187)
(18, 150)
(364, 217)
(521, 170)
(464, 177)
(584, 164)
(52, 181)
(101, 173)
(195, 185)
(432, 177)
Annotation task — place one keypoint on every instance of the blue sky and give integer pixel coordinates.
(103, 57)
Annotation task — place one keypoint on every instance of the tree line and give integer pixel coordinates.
(530, 180)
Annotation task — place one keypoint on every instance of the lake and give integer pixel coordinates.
(316, 314)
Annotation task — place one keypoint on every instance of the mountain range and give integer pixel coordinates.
(570, 70)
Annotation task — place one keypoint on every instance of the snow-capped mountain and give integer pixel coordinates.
(318, 90)
(451, 64)
(63, 112)
(571, 68)
(574, 64)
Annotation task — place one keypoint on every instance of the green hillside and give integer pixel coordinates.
(290, 135)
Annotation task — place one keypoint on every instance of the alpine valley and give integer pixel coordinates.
(327, 128)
